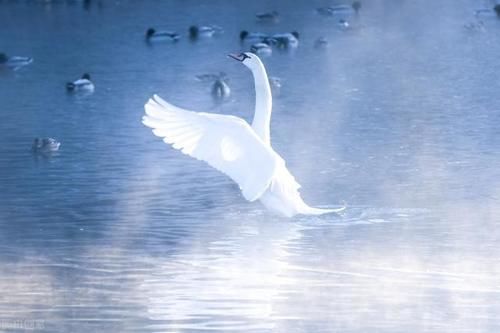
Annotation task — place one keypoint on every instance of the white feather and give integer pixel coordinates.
(232, 146)
(227, 143)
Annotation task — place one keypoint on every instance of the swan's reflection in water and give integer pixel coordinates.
(238, 277)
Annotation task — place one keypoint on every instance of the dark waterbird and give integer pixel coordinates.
(14, 62)
(82, 84)
(285, 40)
(340, 10)
(268, 17)
(196, 32)
(253, 37)
(262, 48)
(220, 90)
(45, 145)
(152, 35)
(497, 9)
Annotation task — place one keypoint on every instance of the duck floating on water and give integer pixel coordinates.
(83, 84)
(343, 25)
(158, 36)
(342, 10)
(45, 145)
(268, 17)
(14, 62)
(261, 49)
(196, 32)
(220, 90)
(253, 37)
(488, 12)
(285, 40)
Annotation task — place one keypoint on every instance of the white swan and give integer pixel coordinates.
(232, 146)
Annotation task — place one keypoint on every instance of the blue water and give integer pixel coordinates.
(399, 117)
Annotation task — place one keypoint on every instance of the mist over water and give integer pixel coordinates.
(398, 117)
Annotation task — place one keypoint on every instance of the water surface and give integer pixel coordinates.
(398, 117)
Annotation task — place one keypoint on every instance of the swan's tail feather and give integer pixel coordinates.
(283, 196)
(307, 210)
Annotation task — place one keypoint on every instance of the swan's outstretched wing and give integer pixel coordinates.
(227, 143)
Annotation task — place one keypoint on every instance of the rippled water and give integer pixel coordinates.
(399, 117)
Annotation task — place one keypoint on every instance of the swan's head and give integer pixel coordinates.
(247, 58)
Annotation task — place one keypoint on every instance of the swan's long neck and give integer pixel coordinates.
(261, 123)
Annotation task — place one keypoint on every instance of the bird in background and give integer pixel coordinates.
(83, 84)
(14, 62)
(159, 36)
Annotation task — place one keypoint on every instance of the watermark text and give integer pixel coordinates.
(20, 324)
